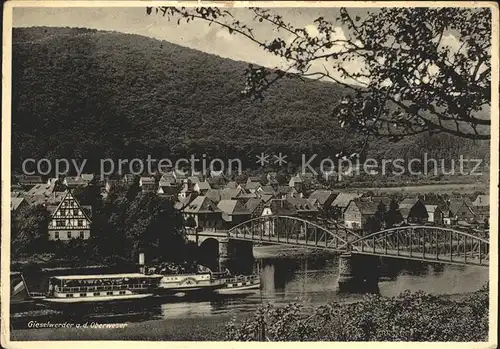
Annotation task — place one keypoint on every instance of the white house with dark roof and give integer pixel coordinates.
(342, 201)
(147, 184)
(69, 220)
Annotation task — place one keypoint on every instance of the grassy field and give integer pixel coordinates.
(448, 188)
(191, 329)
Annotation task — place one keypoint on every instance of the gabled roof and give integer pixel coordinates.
(285, 189)
(252, 185)
(253, 179)
(30, 179)
(167, 179)
(194, 179)
(365, 207)
(408, 203)
(15, 203)
(266, 197)
(231, 185)
(213, 194)
(201, 204)
(43, 194)
(455, 205)
(75, 181)
(226, 194)
(66, 194)
(343, 199)
(301, 204)
(203, 185)
(281, 207)
(322, 196)
(246, 195)
(232, 207)
(252, 204)
(267, 189)
(87, 176)
(313, 201)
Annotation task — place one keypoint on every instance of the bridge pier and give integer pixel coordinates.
(236, 256)
(357, 274)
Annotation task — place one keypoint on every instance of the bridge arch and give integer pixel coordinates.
(427, 243)
(289, 230)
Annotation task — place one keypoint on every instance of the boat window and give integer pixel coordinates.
(109, 293)
(122, 292)
(97, 293)
(83, 295)
(69, 295)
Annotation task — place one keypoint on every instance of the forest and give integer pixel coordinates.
(86, 94)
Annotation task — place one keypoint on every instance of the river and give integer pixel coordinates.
(310, 280)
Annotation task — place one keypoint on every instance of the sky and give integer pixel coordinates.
(197, 35)
(200, 36)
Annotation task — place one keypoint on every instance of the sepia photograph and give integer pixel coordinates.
(291, 172)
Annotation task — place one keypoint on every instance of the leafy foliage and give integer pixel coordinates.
(408, 79)
(29, 230)
(407, 317)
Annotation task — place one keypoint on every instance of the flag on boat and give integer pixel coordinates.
(18, 289)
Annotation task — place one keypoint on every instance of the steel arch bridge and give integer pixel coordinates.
(424, 243)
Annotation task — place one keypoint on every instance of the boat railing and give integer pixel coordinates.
(242, 278)
(103, 288)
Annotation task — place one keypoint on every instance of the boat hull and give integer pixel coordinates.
(100, 299)
(238, 289)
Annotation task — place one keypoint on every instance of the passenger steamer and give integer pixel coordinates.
(239, 284)
(73, 289)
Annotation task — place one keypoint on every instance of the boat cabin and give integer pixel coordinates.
(95, 286)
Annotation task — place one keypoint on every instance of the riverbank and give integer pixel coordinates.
(213, 328)
(189, 329)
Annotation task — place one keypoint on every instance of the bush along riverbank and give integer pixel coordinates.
(408, 317)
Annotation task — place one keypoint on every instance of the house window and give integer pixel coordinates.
(80, 222)
(82, 235)
(56, 235)
(69, 235)
(75, 212)
(60, 223)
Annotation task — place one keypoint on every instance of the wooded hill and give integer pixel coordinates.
(81, 93)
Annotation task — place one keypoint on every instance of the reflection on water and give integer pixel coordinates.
(314, 281)
(310, 281)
